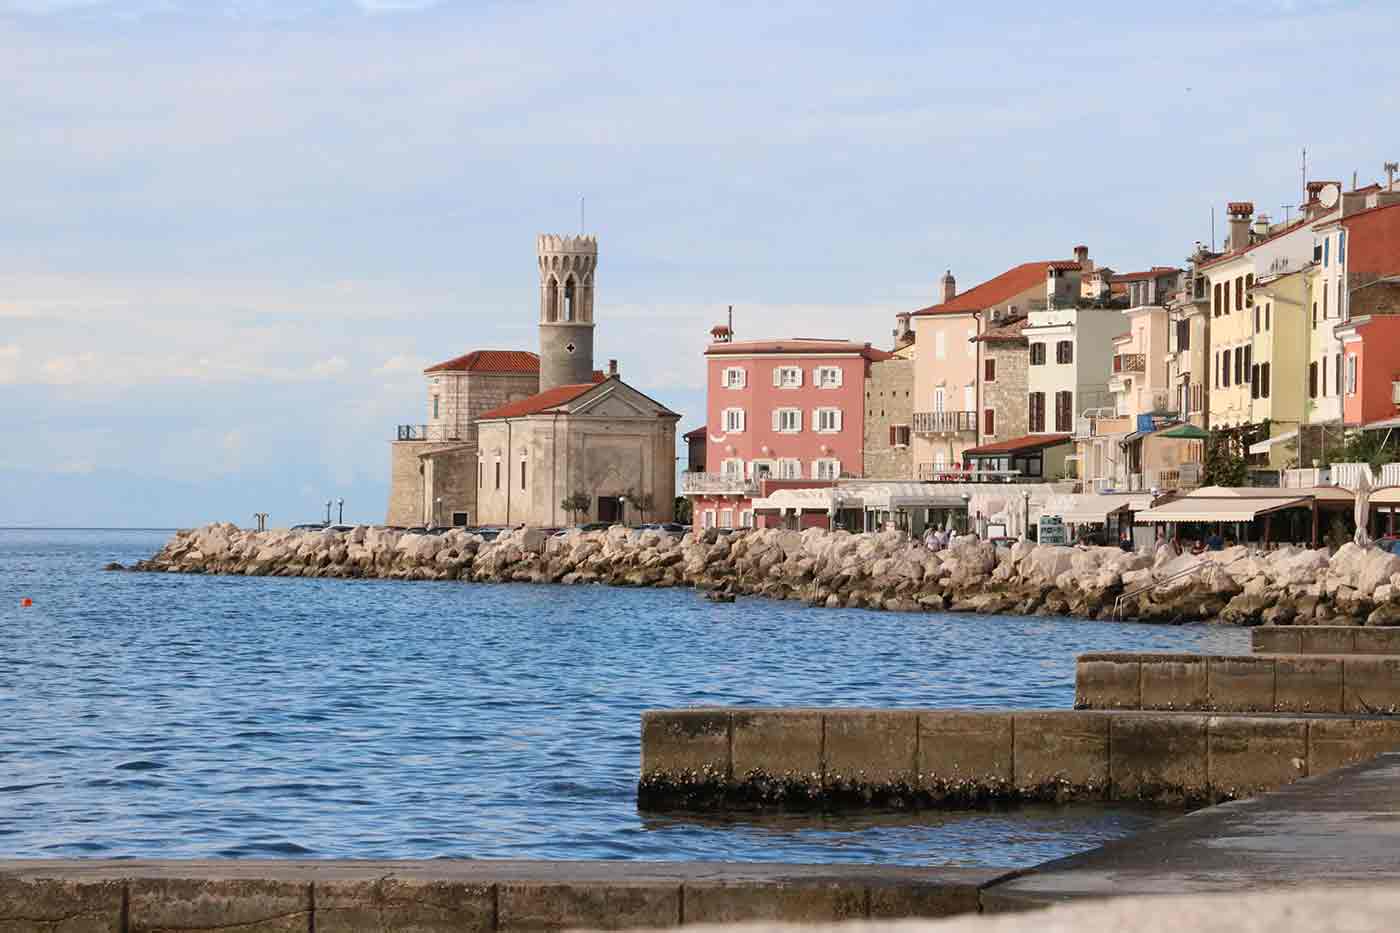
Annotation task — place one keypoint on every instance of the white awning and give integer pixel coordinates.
(1086, 509)
(1193, 509)
(809, 499)
(1263, 446)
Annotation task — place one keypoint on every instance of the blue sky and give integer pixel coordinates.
(234, 231)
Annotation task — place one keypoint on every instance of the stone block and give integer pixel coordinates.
(1250, 755)
(959, 748)
(871, 746)
(1376, 640)
(778, 743)
(895, 901)
(171, 905)
(1158, 756)
(1370, 684)
(1333, 743)
(693, 741)
(1274, 639)
(1307, 684)
(586, 906)
(1325, 639)
(56, 906)
(1241, 684)
(391, 904)
(778, 902)
(1061, 750)
(1174, 683)
(1107, 684)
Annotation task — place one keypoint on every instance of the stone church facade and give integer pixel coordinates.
(511, 434)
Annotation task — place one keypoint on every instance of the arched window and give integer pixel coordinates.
(569, 299)
(551, 300)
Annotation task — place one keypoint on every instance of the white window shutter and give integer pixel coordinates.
(777, 375)
(840, 375)
(741, 421)
(777, 419)
(838, 419)
(743, 378)
(816, 469)
(799, 376)
(798, 413)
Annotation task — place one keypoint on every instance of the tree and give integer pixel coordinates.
(1224, 463)
(683, 510)
(1366, 447)
(643, 502)
(576, 503)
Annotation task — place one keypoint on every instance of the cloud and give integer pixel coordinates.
(402, 363)
(329, 368)
(9, 362)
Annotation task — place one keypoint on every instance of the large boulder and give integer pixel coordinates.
(1377, 567)
(1048, 562)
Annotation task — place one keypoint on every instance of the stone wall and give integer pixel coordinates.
(1006, 395)
(889, 401)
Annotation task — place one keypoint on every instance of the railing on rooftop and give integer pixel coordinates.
(693, 483)
(441, 433)
(939, 473)
(944, 422)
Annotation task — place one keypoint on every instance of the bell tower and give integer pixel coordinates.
(567, 265)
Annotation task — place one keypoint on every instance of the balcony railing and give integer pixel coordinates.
(430, 432)
(718, 484)
(944, 422)
(1130, 362)
(938, 473)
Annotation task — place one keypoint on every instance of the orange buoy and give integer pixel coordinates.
(26, 602)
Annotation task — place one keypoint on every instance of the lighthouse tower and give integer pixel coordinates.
(567, 265)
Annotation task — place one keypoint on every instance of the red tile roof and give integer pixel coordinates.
(995, 291)
(1019, 445)
(1007, 330)
(1066, 265)
(490, 361)
(1237, 253)
(697, 435)
(535, 404)
(1155, 272)
(798, 345)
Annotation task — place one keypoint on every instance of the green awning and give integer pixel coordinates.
(1187, 432)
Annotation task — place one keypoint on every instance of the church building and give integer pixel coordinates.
(512, 435)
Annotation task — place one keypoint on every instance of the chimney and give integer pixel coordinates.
(1240, 213)
(1081, 256)
(950, 286)
(612, 369)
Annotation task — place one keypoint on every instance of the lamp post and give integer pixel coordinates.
(328, 512)
(340, 515)
(622, 509)
(967, 511)
(437, 511)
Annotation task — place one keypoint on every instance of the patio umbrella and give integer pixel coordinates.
(1363, 508)
(1187, 432)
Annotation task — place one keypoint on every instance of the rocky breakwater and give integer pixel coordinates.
(839, 569)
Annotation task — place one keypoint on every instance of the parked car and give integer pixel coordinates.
(675, 528)
(310, 526)
(486, 532)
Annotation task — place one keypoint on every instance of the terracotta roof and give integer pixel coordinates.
(995, 291)
(490, 361)
(544, 401)
(1020, 444)
(1155, 272)
(1237, 253)
(797, 345)
(1065, 265)
(1123, 336)
(1006, 330)
(697, 435)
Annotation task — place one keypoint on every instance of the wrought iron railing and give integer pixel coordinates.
(938, 473)
(1130, 362)
(693, 483)
(430, 432)
(944, 422)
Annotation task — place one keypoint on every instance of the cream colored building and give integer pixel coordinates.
(1282, 328)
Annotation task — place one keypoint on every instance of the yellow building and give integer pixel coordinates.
(1281, 322)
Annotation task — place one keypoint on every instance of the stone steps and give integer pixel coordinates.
(712, 759)
(1352, 684)
(1324, 639)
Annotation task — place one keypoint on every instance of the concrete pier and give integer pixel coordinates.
(1324, 639)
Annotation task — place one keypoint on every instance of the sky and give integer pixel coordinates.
(234, 232)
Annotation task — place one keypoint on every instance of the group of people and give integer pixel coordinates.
(936, 539)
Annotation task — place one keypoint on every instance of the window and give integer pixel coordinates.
(938, 398)
(1258, 318)
(1225, 306)
(481, 476)
(1064, 351)
(1254, 382)
(1317, 252)
(1325, 290)
(1064, 412)
(1037, 354)
(498, 474)
(989, 422)
(1248, 295)
(1314, 315)
(746, 518)
(1037, 411)
(1248, 362)
(1312, 380)
(899, 435)
(787, 420)
(1326, 251)
(1337, 377)
(1322, 365)
(1351, 371)
(1268, 310)
(522, 475)
(826, 469)
(1183, 335)
(707, 518)
(789, 469)
(733, 420)
(788, 377)
(829, 377)
(1342, 246)
(1239, 293)
(732, 468)
(735, 377)
(940, 347)
(726, 518)
(761, 469)
(1215, 303)
(436, 414)
(1264, 380)
(989, 370)
(827, 420)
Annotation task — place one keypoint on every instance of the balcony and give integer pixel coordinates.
(1130, 363)
(945, 422)
(717, 484)
(938, 473)
(437, 433)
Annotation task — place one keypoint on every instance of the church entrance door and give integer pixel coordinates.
(609, 509)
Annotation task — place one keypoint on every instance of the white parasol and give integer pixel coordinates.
(1363, 508)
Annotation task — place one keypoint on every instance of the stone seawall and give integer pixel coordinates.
(1287, 586)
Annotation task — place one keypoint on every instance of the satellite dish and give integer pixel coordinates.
(1329, 195)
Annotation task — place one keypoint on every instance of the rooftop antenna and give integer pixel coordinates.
(582, 201)
(731, 321)
(1286, 209)
(1305, 173)
(1390, 169)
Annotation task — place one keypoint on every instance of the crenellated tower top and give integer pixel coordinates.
(567, 265)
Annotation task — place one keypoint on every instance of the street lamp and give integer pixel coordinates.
(1026, 515)
(622, 509)
(340, 518)
(437, 511)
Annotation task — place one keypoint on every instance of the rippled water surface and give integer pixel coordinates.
(174, 716)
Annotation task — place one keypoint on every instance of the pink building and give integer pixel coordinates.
(779, 413)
